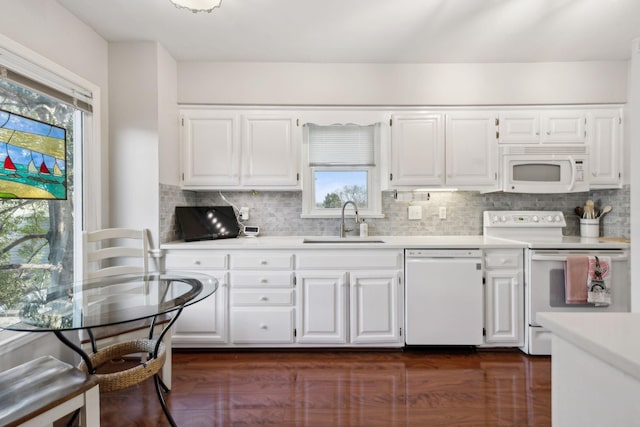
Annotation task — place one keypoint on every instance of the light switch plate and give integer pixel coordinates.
(415, 212)
(442, 212)
(244, 213)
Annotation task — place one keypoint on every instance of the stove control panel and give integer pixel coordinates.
(517, 219)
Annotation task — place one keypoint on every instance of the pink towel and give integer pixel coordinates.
(576, 270)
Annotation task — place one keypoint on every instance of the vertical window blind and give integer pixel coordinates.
(341, 145)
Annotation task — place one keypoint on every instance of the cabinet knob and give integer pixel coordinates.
(264, 298)
(196, 262)
(263, 280)
(263, 262)
(263, 326)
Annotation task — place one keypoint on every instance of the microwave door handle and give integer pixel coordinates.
(573, 172)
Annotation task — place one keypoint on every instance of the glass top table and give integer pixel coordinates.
(110, 301)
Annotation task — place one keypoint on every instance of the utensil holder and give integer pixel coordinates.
(589, 227)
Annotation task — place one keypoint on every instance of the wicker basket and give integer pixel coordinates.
(128, 377)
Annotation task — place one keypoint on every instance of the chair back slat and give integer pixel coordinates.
(115, 251)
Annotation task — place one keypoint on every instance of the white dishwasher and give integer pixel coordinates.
(444, 297)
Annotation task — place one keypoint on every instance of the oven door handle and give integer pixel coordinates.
(557, 257)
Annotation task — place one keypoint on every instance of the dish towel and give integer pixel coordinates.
(576, 269)
(599, 290)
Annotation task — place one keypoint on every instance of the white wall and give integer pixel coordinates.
(136, 103)
(633, 138)
(402, 84)
(168, 118)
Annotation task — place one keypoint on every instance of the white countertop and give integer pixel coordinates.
(612, 337)
(389, 242)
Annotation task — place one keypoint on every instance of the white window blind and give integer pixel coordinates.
(342, 145)
(38, 79)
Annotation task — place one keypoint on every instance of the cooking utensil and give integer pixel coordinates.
(579, 211)
(605, 211)
(589, 211)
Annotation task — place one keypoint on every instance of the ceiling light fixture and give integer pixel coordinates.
(196, 6)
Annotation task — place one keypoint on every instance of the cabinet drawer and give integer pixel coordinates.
(254, 326)
(503, 259)
(271, 279)
(273, 297)
(378, 259)
(262, 261)
(195, 259)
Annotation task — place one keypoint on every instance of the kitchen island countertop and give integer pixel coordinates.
(613, 338)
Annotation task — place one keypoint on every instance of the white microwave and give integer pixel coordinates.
(545, 169)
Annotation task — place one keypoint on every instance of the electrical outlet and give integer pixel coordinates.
(415, 212)
(244, 213)
(442, 212)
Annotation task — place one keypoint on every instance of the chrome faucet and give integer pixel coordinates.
(343, 228)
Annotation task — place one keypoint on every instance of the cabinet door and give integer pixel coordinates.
(604, 138)
(210, 149)
(204, 324)
(472, 150)
(504, 299)
(270, 147)
(375, 307)
(563, 126)
(417, 150)
(519, 127)
(322, 308)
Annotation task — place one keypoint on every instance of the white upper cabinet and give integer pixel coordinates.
(210, 148)
(563, 126)
(549, 126)
(519, 127)
(471, 150)
(417, 150)
(454, 149)
(239, 150)
(270, 144)
(604, 137)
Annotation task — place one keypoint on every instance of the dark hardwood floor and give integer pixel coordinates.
(343, 388)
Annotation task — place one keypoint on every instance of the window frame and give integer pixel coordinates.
(87, 213)
(374, 190)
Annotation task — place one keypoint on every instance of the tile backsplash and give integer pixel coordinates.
(278, 213)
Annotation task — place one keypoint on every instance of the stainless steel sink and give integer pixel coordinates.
(341, 240)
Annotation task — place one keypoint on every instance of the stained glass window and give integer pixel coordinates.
(32, 158)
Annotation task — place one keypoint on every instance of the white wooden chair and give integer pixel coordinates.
(113, 251)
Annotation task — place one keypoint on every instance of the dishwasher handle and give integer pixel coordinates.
(443, 253)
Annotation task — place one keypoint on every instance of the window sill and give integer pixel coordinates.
(11, 341)
(335, 215)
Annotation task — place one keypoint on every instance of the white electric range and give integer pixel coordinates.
(545, 255)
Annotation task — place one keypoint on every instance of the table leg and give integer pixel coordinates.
(160, 385)
(90, 368)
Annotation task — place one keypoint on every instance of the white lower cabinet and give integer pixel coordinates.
(504, 298)
(376, 300)
(359, 306)
(322, 302)
(262, 303)
(326, 298)
(203, 324)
